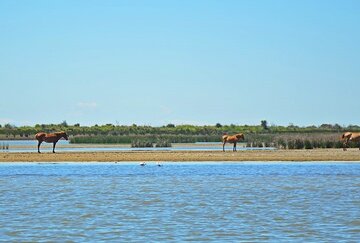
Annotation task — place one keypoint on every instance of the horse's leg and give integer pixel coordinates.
(346, 143)
(234, 148)
(224, 146)
(54, 143)
(39, 142)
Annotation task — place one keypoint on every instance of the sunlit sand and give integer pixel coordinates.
(259, 155)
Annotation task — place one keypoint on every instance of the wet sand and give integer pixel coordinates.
(191, 156)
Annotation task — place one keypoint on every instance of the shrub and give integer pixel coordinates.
(291, 144)
(308, 144)
(329, 144)
(316, 144)
(141, 144)
(299, 144)
(257, 144)
(163, 144)
(281, 144)
(338, 144)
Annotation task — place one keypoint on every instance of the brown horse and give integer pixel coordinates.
(350, 137)
(232, 139)
(50, 138)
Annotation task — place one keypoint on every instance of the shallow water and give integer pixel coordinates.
(276, 202)
(31, 146)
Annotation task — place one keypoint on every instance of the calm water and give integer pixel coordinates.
(251, 202)
(31, 146)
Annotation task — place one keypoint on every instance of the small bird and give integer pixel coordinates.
(142, 164)
(158, 164)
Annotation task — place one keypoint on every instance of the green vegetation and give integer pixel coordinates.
(142, 144)
(163, 144)
(262, 135)
(27, 132)
(170, 138)
(297, 140)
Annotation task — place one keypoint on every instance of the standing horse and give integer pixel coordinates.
(232, 139)
(350, 137)
(50, 138)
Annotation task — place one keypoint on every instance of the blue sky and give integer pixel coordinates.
(182, 62)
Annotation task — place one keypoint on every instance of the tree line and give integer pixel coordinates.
(9, 131)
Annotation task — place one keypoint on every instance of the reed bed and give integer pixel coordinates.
(126, 139)
(163, 144)
(150, 144)
(297, 141)
(142, 144)
(275, 140)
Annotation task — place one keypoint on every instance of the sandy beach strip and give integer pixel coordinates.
(191, 156)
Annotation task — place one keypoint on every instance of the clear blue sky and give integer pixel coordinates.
(183, 62)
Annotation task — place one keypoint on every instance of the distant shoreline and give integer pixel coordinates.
(186, 156)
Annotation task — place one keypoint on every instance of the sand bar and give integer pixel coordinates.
(272, 155)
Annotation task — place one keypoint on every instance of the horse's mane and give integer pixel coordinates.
(60, 133)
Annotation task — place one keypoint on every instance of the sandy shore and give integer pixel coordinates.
(264, 155)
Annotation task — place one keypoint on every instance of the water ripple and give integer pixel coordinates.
(180, 202)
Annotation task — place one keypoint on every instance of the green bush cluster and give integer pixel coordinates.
(309, 144)
(163, 144)
(296, 141)
(142, 144)
(109, 139)
(101, 139)
(10, 131)
(281, 141)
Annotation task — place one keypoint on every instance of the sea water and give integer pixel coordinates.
(234, 202)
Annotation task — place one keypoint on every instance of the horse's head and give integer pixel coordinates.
(240, 136)
(64, 135)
